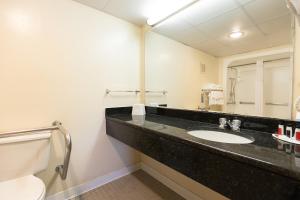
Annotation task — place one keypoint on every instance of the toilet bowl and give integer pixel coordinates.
(21, 157)
(24, 188)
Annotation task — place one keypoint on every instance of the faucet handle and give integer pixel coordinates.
(235, 124)
(223, 123)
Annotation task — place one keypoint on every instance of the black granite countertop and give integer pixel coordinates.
(265, 152)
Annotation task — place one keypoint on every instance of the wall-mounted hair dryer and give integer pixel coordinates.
(294, 6)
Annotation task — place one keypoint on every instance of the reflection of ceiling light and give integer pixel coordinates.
(236, 34)
(19, 21)
(169, 10)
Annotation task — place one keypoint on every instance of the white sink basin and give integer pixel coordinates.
(217, 136)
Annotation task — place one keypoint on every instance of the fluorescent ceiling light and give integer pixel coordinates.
(169, 10)
(236, 34)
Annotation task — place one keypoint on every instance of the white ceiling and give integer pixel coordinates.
(207, 24)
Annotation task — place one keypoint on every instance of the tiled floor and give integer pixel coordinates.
(136, 186)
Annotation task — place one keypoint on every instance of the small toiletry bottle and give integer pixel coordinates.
(280, 129)
(289, 131)
(297, 132)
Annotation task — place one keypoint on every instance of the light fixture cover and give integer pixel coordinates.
(168, 9)
(236, 34)
(294, 6)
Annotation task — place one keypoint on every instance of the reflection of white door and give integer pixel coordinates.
(277, 81)
(262, 89)
(245, 90)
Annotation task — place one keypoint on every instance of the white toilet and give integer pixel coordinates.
(22, 157)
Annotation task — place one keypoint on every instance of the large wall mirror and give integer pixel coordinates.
(232, 56)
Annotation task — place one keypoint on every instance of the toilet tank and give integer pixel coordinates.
(24, 155)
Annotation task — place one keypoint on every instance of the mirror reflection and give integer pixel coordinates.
(234, 56)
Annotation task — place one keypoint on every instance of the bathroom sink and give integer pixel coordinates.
(217, 136)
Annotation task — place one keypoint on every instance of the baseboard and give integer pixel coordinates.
(169, 183)
(102, 180)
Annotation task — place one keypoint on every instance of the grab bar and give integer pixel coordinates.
(61, 169)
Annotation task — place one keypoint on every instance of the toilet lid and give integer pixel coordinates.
(24, 188)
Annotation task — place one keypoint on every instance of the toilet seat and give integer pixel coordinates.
(24, 188)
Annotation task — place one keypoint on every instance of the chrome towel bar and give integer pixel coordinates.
(277, 104)
(247, 102)
(212, 90)
(164, 92)
(107, 91)
(61, 169)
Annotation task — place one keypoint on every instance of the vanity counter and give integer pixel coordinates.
(243, 168)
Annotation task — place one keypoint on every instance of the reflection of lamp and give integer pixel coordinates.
(297, 105)
(294, 6)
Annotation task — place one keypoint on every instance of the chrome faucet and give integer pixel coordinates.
(234, 124)
(223, 123)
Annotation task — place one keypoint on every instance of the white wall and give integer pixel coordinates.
(175, 67)
(57, 57)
